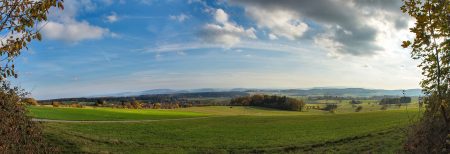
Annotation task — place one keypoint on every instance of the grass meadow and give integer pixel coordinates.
(226, 130)
(96, 114)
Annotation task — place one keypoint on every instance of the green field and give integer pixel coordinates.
(225, 130)
(92, 114)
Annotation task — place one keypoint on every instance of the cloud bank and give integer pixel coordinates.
(340, 27)
(223, 31)
(63, 25)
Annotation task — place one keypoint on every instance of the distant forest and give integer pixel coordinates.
(278, 101)
(157, 98)
(269, 101)
(400, 100)
(341, 92)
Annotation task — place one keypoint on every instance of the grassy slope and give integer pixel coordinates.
(146, 114)
(327, 133)
(107, 114)
(245, 110)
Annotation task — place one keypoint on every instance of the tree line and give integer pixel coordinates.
(400, 100)
(162, 98)
(269, 101)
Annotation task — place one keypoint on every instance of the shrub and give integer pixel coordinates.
(76, 105)
(30, 101)
(428, 135)
(56, 104)
(136, 104)
(384, 107)
(330, 107)
(18, 133)
(157, 106)
(100, 102)
(176, 105)
(359, 108)
(355, 102)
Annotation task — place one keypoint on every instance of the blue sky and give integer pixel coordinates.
(108, 46)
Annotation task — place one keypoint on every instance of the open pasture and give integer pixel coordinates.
(96, 114)
(236, 129)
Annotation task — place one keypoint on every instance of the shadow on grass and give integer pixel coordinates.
(388, 141)
(62, 146)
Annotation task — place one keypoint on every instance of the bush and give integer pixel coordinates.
(330, 107)
(100, 102)
(30, 101)
(359, 108)
(427, 136)
(157, 106)
(384, 107)
(56, 104)
(18, 133)
(355, 102)
(76, 105)
(136, 104)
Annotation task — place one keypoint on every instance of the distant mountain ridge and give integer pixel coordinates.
(355, 92)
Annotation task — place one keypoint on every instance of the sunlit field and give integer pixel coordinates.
(225, 129)
(92, 114)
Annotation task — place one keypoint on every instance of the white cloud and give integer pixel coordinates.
(87, 5)
(180, 18)
(73, 31)
(62, 25)
(273, 36)
(225, 32)
(114, 35)
(253, 45)
(221, 16)
(351, 27)
(326, 41)
(280, 22)
(181, 53)
(112, 18)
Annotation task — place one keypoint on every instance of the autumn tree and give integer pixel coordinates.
(157, 106)
(100, 102)
(30, 101)
(20, 22)
(431, 46)
(359, 108)
(56, 104)
(136, 104)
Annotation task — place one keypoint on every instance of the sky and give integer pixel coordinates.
(96, 47)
